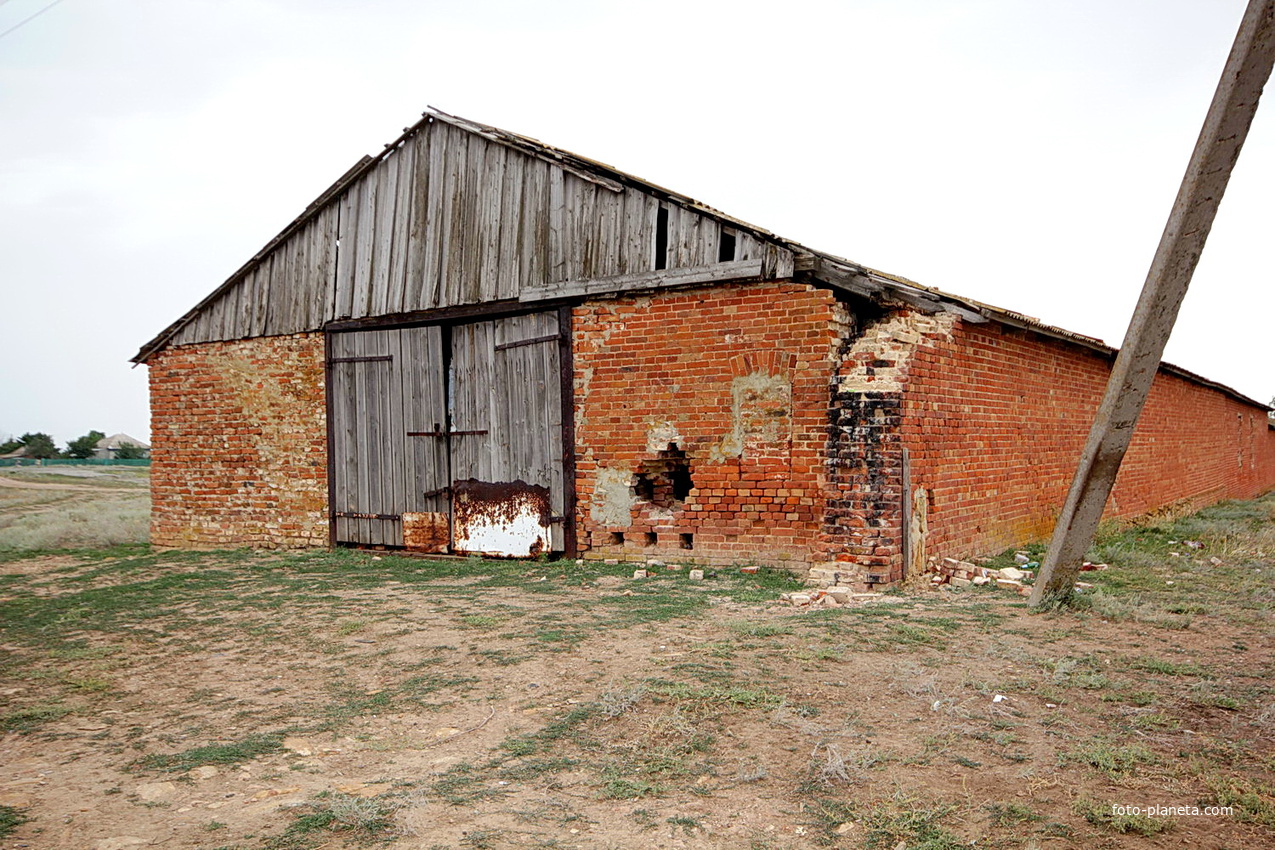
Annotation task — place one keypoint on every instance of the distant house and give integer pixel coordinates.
(109, 447)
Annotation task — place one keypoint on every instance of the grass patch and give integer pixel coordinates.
(898, 820)
(1102, 814)
(246, 749)
(361, 819)
(1252, 802)
(1115, 762)
(32, 717)
(10, 819)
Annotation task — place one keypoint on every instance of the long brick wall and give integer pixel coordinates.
(701, 423)
(239, 444)
(995, 420)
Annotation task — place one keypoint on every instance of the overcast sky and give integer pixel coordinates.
(1022, 153)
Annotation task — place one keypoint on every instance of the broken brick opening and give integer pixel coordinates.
(666, 481)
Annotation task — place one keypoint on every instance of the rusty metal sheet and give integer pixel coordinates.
(507, 519)
(426, 531)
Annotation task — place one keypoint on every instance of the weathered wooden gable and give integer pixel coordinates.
(455, 214)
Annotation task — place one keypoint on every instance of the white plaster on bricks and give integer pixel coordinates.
(613, 498)
(894, 338)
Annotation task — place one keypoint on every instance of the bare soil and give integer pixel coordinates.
(261, 700)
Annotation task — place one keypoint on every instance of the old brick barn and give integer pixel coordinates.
(475, 342)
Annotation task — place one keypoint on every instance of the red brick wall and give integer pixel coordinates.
(995, 420)
(239, 444)
(737, 378)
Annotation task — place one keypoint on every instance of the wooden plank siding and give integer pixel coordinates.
(449, 217)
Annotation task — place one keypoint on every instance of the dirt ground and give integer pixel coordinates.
(264, 700)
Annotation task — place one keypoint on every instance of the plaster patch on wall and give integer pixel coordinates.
(659, 435)
(878, 360)
(613, 499)
(760, 413)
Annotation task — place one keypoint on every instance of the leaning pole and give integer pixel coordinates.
(1216, 150)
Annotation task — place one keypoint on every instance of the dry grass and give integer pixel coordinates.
(49, 518)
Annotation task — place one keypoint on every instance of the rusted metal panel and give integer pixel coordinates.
(507, 519)
(427, 531)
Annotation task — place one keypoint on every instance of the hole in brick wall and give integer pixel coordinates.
(650, 538)
(616, 538)
(666, 481)
(687, 540)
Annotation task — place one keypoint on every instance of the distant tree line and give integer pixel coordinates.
(41, 445)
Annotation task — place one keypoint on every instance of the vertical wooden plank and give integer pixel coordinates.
(557, 268)
(710, 234)
(607, 248)
(508, 262)
(364, 244)
(396, 437)
(584, 228)
(492, 177)
(276, 267)
(261, 310)
(418, 224)
(640, 215)
(471, 230)
(434, 229)
(452, 265)
(687, 239)
(347, 239)
(534, 234)
(382, 235)
(402, 239)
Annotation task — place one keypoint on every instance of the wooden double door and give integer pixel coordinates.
(449, 438)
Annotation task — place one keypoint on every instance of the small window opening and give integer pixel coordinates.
(726, 247)
(661, 238)
(688, 540)
(617, 538)
(650, 538)
(666, 481)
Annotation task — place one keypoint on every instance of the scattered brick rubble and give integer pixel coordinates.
(965, 574)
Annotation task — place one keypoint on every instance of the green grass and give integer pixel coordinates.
(10, 819)
(1115, 762)
(358, 818)
(1101, 814)
(235, 752)
(29, 718)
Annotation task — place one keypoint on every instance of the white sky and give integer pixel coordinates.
(1022, 153)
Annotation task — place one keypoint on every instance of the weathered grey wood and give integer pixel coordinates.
(605, 236)
(557, 269)
(487, 259)
(453, 264)
(348, 220)
(431, 211)
(662, 279)
(365, 243)
(535, 234)
(508, 273)
(383, 237)
(452, 215)
(1225, 128)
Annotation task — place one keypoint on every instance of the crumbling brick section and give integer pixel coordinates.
(700, 420)
(239, 444)
(862, 535)
(862, 531)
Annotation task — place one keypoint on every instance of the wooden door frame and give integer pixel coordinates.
(448, 318)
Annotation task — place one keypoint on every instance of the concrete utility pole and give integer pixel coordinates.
(1225, 127)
